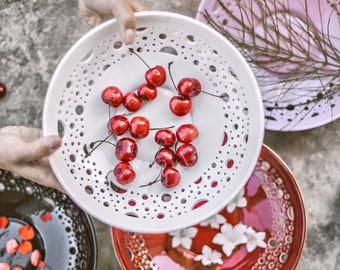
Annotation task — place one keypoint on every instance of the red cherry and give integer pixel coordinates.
(165, 137)
(139, 127)
(118, 125)
(180, 106)
(156, 76)
(3, 90)
(165, 157)
(187, 133)
(113, 96)
(124, 173)
(170, 177)
(147, 92)
(187, 155)
(189, 87)
(132, 102)
(126, 149)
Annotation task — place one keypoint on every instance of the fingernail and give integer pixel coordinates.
(53, 142)
(129, 36)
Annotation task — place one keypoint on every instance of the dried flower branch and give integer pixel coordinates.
(285, 47)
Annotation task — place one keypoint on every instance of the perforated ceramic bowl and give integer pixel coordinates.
(230, 125)
(290, 104)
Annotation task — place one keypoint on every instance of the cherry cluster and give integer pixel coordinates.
(175, 147)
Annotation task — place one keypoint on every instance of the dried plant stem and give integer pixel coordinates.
(289, 47)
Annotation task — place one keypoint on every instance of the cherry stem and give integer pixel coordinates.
(154, 161)
(172, 80)
(99, 143)
(158, 178)
(162, 128)
(213, 95)
(132, 51)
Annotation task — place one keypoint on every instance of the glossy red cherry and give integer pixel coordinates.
(147, 92)
(132, 102)
(165, 157)
(112, 95)
(126, 149)
(180, 105)
(3, 90)
(118, 125)
(189, 87)
(139, 127)
(187, 155)
(156, 76)
(124, 173)
(187, 133)
(165, 137)
(170, 177)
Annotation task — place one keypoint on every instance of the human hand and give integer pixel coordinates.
(95, 12)
(24, 151)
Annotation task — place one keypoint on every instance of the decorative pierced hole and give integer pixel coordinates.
(190, 38)
(166, 198)
(60, 128)
(79, 110)
(118, 44)
(87, 57)
(170, 50)
(199, 204)
(89, 190)
(163, 36)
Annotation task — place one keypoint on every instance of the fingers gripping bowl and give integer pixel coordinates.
(230, 123)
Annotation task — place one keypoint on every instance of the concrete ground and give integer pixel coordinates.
(34, 36)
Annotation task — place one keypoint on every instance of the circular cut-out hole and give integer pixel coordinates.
(225, 97)
(72, 158)
(225, 139)
(230, 163)
(169, 50)
(130, 214)
(60, 128)
(141, 29)
(198, 181)
(79, 110)
(117, 45)
(166, 197)
(132, 202)
(199, 204)
(89, 190)
(163, 36)
(106, 67)
(190, 38)
(160, 216)
(87, 57)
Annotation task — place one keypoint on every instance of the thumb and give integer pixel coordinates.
(40, 148)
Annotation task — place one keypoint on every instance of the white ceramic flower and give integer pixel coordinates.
(255, 239)
(239, 201)
(183, 237)
(214, 221)
(209, 256)
(229, 237)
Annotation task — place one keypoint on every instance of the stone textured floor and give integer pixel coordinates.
(34, 36)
